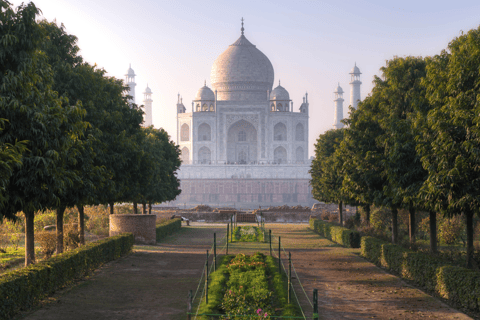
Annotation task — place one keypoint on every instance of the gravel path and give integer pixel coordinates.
(153, 281)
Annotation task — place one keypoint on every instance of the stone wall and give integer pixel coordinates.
(141, 225)
(244, 193)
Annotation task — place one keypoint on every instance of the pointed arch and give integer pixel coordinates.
(280, 155)
(204, 132)
(280, 132)
(184, 132)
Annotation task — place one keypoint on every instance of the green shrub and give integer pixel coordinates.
(248, 234)
(345, 237)
(243, 284)
(455, 283)
(23, 288)
(48, 242)
(168, 227)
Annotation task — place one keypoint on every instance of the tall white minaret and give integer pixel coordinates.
(338, 108)
(355, 86)
(130, 81)
(147, 117)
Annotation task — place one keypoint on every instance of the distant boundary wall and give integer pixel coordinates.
(245, 193)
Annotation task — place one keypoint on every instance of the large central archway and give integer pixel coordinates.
(242, 143)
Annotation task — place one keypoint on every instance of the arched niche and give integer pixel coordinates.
(280, 132)
(185, 156)
(299, 132)
(204, 132)
(241, 143)
(204, 155)
(280, 155)
(184, 132)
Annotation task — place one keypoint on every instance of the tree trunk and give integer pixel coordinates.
(433, 232)
(135, 208)
(29, 238)
(470, 248)
(81, 224)
(144, 208)
(111, 207)
(394, 225)
(60, 214)
(367, 214)
(340, 213)
(149, 207)
(411, 226)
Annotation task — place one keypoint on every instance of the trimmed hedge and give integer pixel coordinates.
(23, 288)
(457, 284)
(343, 236)
(167, 228)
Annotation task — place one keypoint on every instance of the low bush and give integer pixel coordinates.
(345, 237)
(247, 286)
(168, 227)
(48, 242)
(248, 234)
(454, 283)
(23, 288)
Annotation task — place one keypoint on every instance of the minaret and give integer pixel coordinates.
(338, 108)
(355, 86)
(147, 118)
(130, 81)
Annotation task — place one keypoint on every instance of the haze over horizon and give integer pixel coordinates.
(312, 45)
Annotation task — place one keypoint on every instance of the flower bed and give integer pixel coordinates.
(248, 234)
(248, 286)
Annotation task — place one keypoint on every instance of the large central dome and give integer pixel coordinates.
(242, 73)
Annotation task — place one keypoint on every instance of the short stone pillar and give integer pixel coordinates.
(141, 225)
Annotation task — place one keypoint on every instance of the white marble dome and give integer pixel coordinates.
(339, 89)
(242, 72)
(279, 93)
(205, 93)
(355, 70)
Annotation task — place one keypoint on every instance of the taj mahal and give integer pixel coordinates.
(242, 142)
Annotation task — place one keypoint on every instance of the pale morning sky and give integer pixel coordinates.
(312, 44)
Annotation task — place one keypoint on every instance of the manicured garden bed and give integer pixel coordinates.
(248, 234)
(248, 286)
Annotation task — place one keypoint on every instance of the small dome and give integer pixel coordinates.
(148, 90)
(130, 71)
(205, 93)
(339, 89)
(279, 93)
(355, 70)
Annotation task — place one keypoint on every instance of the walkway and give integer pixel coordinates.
(153, 282)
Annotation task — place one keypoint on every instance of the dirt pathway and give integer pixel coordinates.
(350, 287)
(153, 282)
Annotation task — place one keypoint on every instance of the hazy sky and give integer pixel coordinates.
(312, 45)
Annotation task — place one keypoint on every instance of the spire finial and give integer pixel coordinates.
(243, 29)
(279, 82)
(205, 83)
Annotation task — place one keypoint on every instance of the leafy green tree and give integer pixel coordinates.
(326, 171)
(10, 158)
(72, 81)
(35, 114)
(404, 102)
(363, 150)
(450, 145)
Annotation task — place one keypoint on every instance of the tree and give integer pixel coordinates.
(326, 171)
(10, 158)
(404, 102)
(450, 143)
(35, 114)
(363, 149)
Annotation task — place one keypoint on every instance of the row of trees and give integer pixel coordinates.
(68, 135)
(413, 143)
